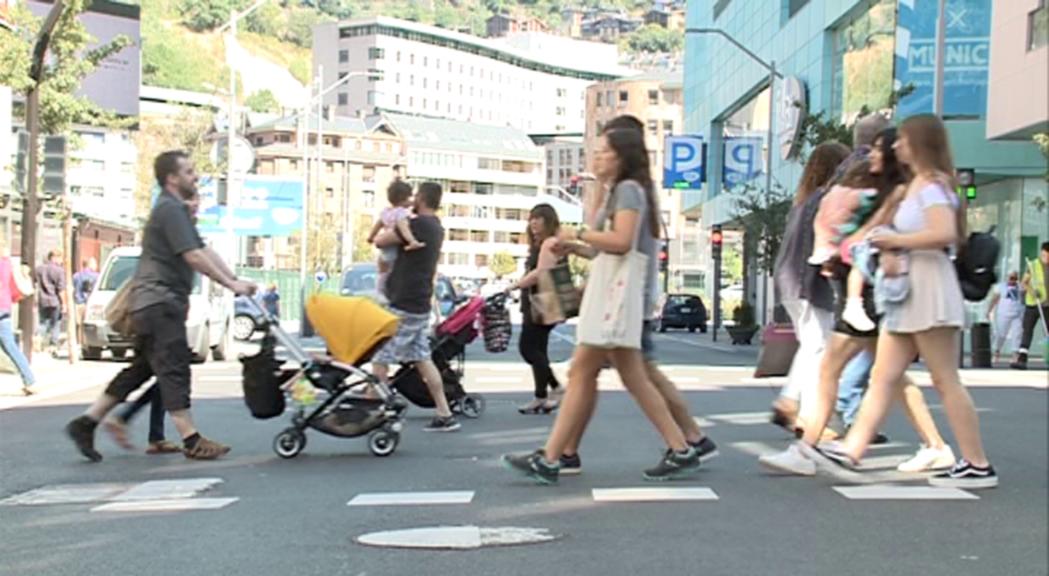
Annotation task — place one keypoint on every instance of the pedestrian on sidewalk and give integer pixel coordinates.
(51, 299)
(621, 161)
(1036, 304)
(924, 321)
(1008, 302)
(271, 301)
(846, 342)
(805, 294)
(9, 296)
(159, 304)
(409, 291)
(534, 342)
(83, 283)
(118, 423)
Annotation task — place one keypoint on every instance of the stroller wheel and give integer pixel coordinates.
(472, 405)
(383, 442)
(289, 443)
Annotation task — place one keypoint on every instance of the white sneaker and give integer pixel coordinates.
(856, 316)
(929, 459)
(790, 461)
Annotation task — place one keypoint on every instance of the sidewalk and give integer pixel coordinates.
(54, 378)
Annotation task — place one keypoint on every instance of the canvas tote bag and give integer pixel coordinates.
(556, 298)
(118, 311)
(613, 307)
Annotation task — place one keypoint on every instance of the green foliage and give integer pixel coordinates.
(743, 315)
(171, 58)
(362, 249)
(1042, 140)
(654, 38)
(263, 101)
(206, 15)
(268, 20)
(731, 265)
(69, 62)
(502, 264)
(763, 219)
(187, 131)
(300, 25)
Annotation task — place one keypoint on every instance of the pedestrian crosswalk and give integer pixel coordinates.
(152, 496)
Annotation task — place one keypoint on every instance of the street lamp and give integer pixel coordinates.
(773, 74)
(317, 86)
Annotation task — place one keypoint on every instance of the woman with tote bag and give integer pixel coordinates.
(612, 313)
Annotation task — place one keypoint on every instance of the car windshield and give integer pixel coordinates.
(359, 280)
(122, 268)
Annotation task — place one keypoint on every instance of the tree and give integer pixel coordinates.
(268, 20)
(502, 264)
(262, 101)
(206, 15)
(187, 131)
(300, 26)
(764, 220)
(363, 251)
(653, 38)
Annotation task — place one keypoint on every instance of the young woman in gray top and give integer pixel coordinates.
(927, 227)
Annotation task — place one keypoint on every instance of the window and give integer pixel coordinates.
(411, 59)
(329, 192)
(609, 100)
(368, 198)
(426, 82)
(793, 6)
(479, 236)
(397, 99)
(653, 96)
(653, 127)
(483, 188)
(398, 55)
(668, 126)
(600, 99)
(92, 138)
(488, 164)
(863, 56)
(344, 98)
(481, 260)
(411, 79)
(560, 110)
(1038, 27)
(369, 174)
(344, 56)
(719, 7)
(624, 96)
(457, 235)
(284, 138)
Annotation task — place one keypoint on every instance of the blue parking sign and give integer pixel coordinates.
(684, 163)
(743, 161)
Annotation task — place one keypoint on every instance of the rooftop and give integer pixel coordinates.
(503, 141)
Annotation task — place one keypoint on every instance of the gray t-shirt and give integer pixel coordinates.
(163, 276)
(629, 195)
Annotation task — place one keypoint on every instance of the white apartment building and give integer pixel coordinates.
(532, 86)
(565, 160)
(492, 177)
(101, 174)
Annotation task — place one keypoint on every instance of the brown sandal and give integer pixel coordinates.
(117, 428)
(206, 450)
(163, 447)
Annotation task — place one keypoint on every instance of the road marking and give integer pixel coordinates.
(168, 489)
(652, 494)
(741, 418)
(174, 505)
(531, 439)
(703, 422)
(890, 492)
(758, 449)
(66, 494)
(511, 433)
(456, 537)
(698, 344)
(412, 498)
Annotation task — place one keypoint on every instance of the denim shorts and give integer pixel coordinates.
(648, 347)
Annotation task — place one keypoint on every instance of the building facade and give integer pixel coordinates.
(101, 174)
(657, 100)
(439, 73)
(840, 57)
(503, 24)
(492, 177)
(565, 162)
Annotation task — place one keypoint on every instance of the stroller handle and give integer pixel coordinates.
(298, 354)
(497, 300)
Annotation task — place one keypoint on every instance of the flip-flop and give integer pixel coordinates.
(163, 447)
(118, 431)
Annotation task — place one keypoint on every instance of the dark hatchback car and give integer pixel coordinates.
(362, 280)
(683, 311)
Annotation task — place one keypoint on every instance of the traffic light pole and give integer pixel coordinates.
(717, 241)
(31, 204)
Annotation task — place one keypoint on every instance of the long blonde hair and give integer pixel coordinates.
(930, 158)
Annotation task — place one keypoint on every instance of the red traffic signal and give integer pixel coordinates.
(716, 237)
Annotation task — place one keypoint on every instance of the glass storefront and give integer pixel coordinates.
(863, 62)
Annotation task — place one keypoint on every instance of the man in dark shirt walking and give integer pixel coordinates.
(51, 278)
(171, 251)
(409, 290)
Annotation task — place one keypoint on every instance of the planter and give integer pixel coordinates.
(742, 334)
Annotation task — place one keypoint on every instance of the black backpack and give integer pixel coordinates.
(976, 263)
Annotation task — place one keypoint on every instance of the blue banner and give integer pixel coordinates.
(684, 163)
(266, 206)
(743, 160)
(965, 65)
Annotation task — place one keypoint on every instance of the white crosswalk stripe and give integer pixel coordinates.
(895, 492)
(652, 494)
(151, 496)
(412, 498)
(175, 505)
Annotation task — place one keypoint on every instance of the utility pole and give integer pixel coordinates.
(31, 204)
(72, 318)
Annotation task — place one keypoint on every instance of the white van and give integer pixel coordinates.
(210, 312)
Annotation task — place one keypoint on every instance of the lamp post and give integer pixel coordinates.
(321, 92)
(773, 74)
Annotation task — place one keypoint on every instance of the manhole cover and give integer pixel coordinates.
(457, 537)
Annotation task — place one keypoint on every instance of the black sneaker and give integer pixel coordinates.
(965, 475)
(533, 465)
(1020, 363)
(571, 465)
(674, 465)
(705, 448)
(82, 431)
(445, 424)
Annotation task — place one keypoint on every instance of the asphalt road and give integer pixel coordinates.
(291, 516)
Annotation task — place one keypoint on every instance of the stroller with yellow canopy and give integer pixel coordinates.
(327, 394)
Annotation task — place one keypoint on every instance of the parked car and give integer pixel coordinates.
(207, 325)
(246, 318)
(362, 280)
(683, 311)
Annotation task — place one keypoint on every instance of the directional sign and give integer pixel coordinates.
(684, 162)
(743, 161)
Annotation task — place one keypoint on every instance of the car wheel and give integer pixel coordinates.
(244, 327)
(91, 354)
(119, 353)
(692, 329)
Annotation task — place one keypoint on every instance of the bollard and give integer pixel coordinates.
(980, 346)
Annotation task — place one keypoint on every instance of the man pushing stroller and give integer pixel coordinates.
(409, 291)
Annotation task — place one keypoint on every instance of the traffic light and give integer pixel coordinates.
(664, 256)
(53, 181)
(716, 239)
(967, 183)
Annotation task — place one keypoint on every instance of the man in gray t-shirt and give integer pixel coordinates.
(629, 195)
